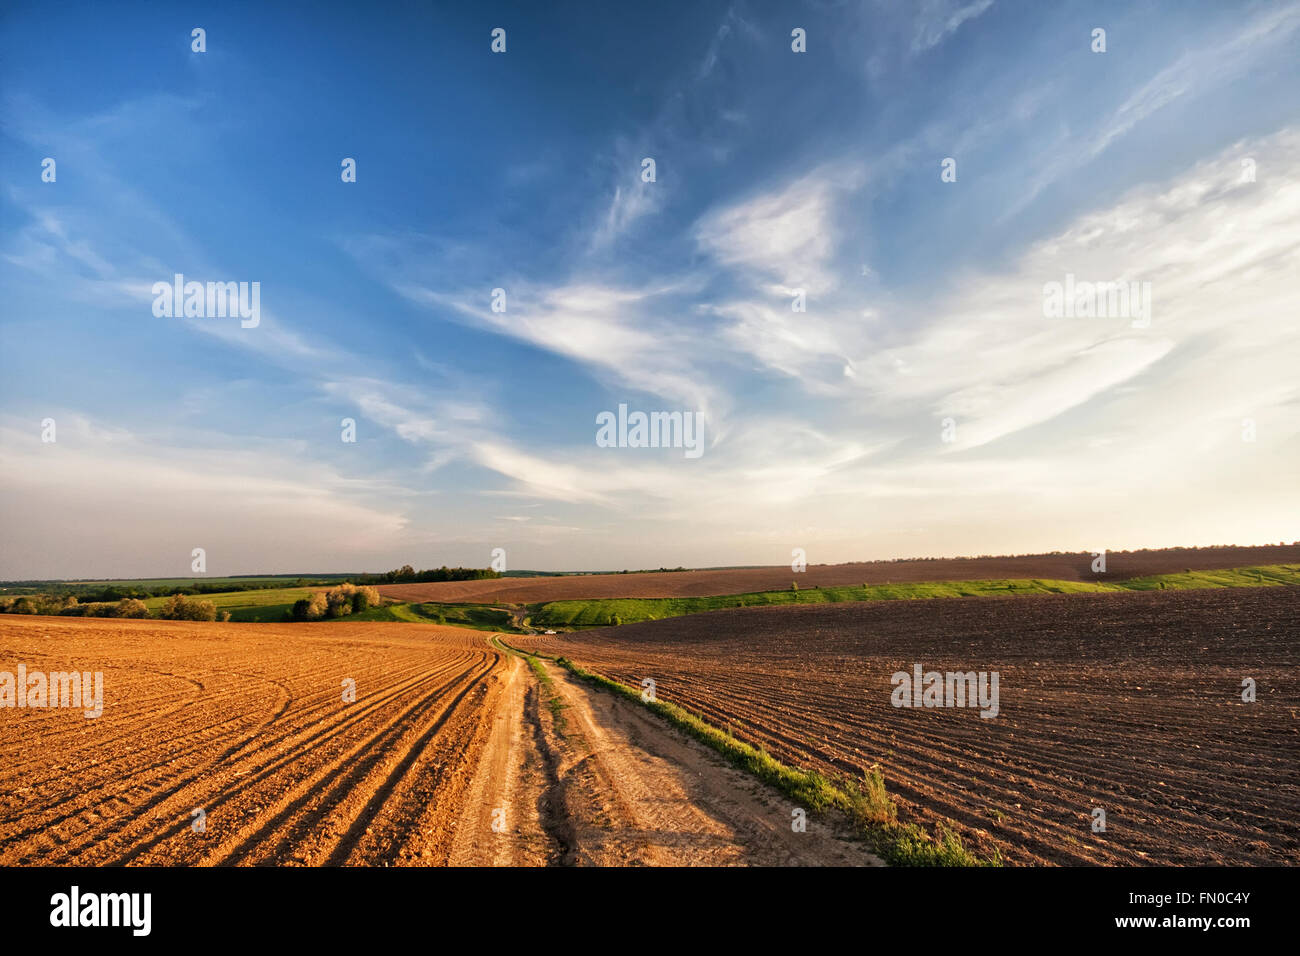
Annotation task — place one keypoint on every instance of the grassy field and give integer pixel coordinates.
(478, 616)
(1265, 576)
(264, 606)
(605, 612)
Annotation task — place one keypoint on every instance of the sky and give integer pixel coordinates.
(840, 265)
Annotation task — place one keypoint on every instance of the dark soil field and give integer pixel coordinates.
(1062, 567)
(1128, 702)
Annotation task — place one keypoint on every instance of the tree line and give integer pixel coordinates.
(408, 575)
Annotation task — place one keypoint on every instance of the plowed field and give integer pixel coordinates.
(248, 724)
(1128, 702)
(1060, 567)
(451, 753)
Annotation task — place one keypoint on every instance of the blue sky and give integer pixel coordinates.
(775, 171)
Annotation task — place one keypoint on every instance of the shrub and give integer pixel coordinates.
(311, 608)
(365, 598)
(338, 601)
(131, 607)
(180, 608)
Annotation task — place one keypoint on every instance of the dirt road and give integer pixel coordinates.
(574, 776)
(638, 792)
(499, 823)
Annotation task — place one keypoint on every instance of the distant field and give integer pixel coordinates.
(634, 610)
(1120, 566)
(266, 606)
(274, 605)
(601, 613)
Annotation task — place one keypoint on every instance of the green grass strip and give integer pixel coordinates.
(475, 616)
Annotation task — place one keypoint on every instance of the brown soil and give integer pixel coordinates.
(248, 723)
(450, 754)
(1130, 702)
(1063, 567)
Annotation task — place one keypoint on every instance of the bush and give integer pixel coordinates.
(180, 608)
(341, 601)
(311, 609)
(338, 601)
(131, 607)
(365, 598)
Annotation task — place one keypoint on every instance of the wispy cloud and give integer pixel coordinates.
(939, 19)
(776, 172)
